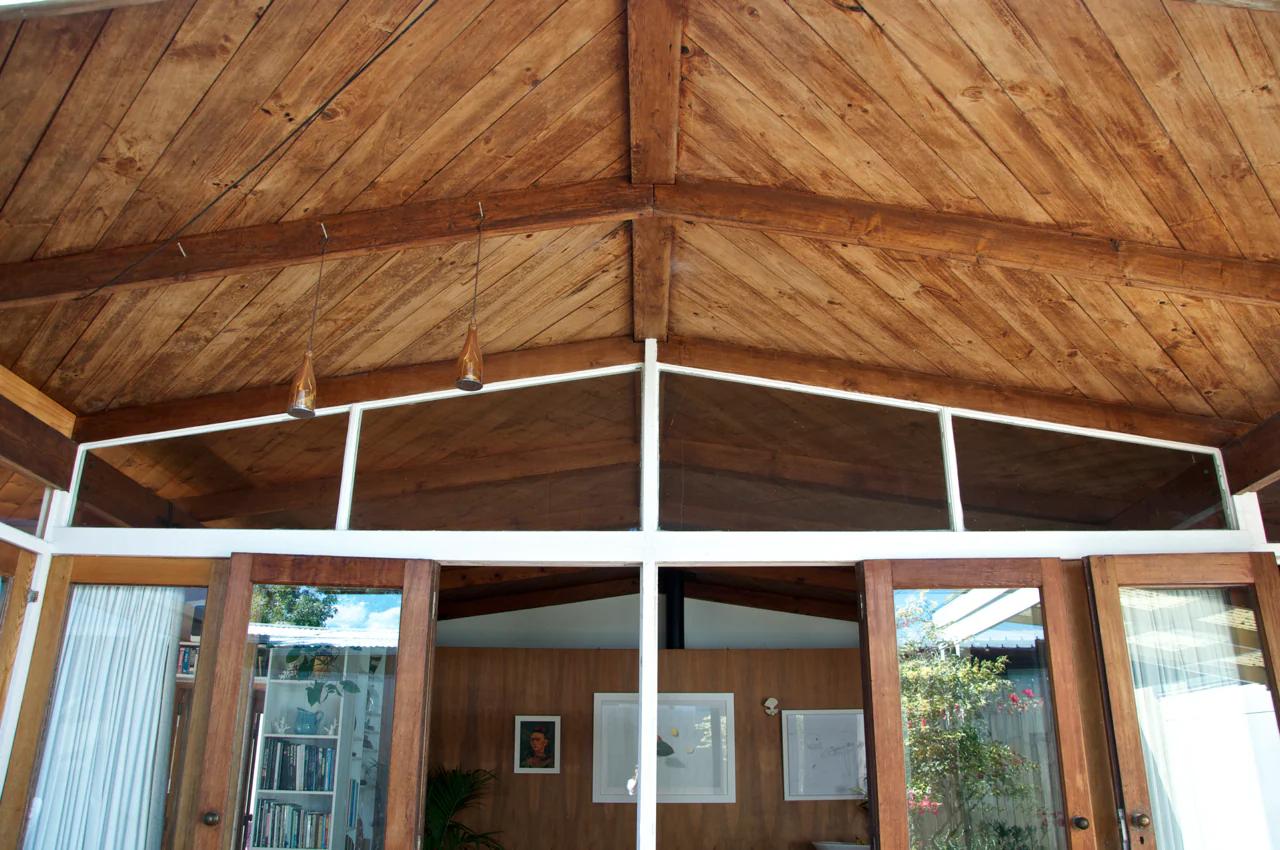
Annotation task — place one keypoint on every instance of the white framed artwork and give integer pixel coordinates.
(695, 748)
(537, 745)
(824, 754)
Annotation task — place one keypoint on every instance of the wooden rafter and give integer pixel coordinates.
(655, 29)
(967, 238)
(971, 239)
(285, 243)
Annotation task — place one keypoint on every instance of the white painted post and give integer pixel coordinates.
(647, 786)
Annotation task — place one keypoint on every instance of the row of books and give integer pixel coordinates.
(288, 766)
(277, 824)
(187, 657)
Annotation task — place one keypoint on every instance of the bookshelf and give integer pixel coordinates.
(315, 779)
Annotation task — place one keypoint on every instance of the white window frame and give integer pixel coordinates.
(648, 547)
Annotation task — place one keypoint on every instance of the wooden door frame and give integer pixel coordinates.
(1257, 572)
(64, 573)
(886, 743)
(417, 581)
(15, 611)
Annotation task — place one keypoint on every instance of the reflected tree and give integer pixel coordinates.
(966, 790)
(292, 605)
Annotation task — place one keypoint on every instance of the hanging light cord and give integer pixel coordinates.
(289, 137)
(315, 304)
(475, 287)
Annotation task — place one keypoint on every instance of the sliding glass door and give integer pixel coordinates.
(1191, 676)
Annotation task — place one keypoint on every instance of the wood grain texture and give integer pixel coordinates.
(411, 718)
(471, 727)
(171, 572)
(651, 242)
(19, 566)
(37, 693)
(888, 758)
(1266, 595)
(328, 572)
(654, 32)
(36, 403)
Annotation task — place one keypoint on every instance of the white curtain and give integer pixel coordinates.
(106, 753)
(1208, 727)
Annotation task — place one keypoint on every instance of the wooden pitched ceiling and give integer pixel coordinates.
(1079, 202)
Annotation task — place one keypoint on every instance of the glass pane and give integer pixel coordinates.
(782, 645)
(982, 756)
(1029, 479)
(521, 654)
(557, 457)
(284, 475)
(737, 457)
(116, 726)
(1206, 715)
(20, 499)
(324, 676)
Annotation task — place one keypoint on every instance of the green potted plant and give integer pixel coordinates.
(451, 791)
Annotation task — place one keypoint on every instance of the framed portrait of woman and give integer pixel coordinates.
(537, 743)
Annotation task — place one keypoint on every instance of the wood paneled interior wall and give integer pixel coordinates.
(478, 692)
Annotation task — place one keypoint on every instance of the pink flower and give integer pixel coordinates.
(1028, 692)
(1013, 698)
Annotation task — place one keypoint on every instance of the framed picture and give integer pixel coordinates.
(695, 748)
(824, 754)
(537, 743)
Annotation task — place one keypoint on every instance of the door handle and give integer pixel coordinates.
(1080, 822)
(211, 818)
(1141, 820)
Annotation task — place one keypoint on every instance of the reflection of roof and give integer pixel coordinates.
(1006, 636)
(286, 635)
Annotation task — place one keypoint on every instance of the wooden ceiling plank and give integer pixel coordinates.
(499, 89)
(1260, 5)
(387, 383)
(491, 32)
(375, 97)
(1166, 324)
(655, 30)
(1261, 326)
(925, 37)
(353, 233)
(843, 375)
(972, 240)
(40, 68)
(1214, 326)
(202, 48)
(506, 303)
(586, 157)
(1234, 61)
(651, 242)
(122, 58)
(1150, 45)
(770, 601)
(1013, 58)
(510, 138)
(182, 178)
(873, 59)
(1118, 323)
(452, 610)
(323, 61)
(608, 314)
(1086, 61)
(806, 83)
(1253, 461)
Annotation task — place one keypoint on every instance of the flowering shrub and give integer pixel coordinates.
(961, 782)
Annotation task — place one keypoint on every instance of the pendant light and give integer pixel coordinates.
(471, 361)
(302, 395)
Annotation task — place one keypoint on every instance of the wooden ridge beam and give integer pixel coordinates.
(366, 386)
(280, 244)
(655, 29)
(971, 239)
(952, 392)
(1253, 460)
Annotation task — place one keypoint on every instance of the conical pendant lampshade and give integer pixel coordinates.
(302, 395)
(471, 362)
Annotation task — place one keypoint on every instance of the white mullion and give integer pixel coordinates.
(649, 438)
(350, 453)
(63, 511)
(951, 469)
(1232, 519)
(16, 686)
(647, 784)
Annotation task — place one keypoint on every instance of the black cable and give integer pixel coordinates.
(316, 113)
